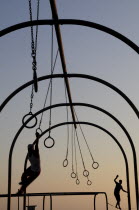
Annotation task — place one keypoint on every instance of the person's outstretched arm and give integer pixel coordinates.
(115, 179)
(124, 190)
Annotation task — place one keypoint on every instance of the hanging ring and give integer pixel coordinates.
(39, 130)
(73, 175)
(89, 182)
(27, 116)
(52, 140)
(77, 181)
(65, 162)
(86, 173)
(95, 165)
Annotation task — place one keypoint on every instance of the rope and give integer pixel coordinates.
(80, 149)
(48, 89)
(75, 156)
(72, 148)
(67, 124)
(84, 138)
(115, 207)
(52, 43)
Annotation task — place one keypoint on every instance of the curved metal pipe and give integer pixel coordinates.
(105, 198)
(85, 76)
(11, 151)
(106, 131)
(106, 201)
(104, 111)
(72, 22)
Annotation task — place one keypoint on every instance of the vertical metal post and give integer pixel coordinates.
(50, 202)
(106, 201)
(44, 202)
(18, 202)
(95, 202)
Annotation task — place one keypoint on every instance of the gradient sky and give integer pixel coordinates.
(87, 51)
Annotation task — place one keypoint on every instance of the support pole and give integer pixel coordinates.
(61, 52)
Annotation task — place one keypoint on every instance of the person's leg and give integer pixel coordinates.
(25, 174)
(116, 200)
(32, 176)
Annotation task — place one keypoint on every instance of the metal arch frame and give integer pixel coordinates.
(75, 22)
(101, 128)
(21, 128)
(104, 83)
(112, 117)
(72, 22)
(84, 76)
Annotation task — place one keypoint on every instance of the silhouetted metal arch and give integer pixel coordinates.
(102, 82)
(72, 22)
(109, 133)
(72, 76)
(53, 106)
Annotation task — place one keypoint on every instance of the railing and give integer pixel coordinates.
(52, 194)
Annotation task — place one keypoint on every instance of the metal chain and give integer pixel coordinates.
(31, 102)
(33, 51)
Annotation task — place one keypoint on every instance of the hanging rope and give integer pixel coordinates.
(39, 128)
(95, 165)
(65, 162)
(52, 141)
(77, 178)
(85, 172)
(51, 83)
(73, 174)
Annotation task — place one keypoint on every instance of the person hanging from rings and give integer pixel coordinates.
(117, 189)
(33, 171)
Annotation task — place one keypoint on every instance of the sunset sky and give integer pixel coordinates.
(87, 51)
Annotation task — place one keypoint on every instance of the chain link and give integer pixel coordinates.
(31, 102)
(33, 48)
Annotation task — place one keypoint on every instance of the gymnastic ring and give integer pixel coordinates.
(95, 165)
(39, 130)
(53, 142)
(73, 175)
(77, 181)
(29, 115)
(86, 173)
(89, 182)
(65, 162)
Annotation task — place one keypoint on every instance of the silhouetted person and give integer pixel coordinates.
(32, 172)
(117, 189)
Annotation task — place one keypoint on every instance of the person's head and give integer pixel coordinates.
(30, 148)
(120, 181)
